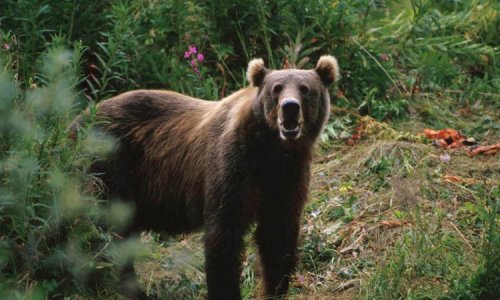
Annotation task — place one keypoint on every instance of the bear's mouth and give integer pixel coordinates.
(289, 129)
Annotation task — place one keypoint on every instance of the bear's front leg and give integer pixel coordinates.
(277, 233)
(225, 227)
(223, 259)
(277, 241)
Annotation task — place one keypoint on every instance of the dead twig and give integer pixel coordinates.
(461, 235)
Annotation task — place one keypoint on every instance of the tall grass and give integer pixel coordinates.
(57, 238)
(431, 253)
(389, 50)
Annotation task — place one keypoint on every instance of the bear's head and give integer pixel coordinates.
(294, 102)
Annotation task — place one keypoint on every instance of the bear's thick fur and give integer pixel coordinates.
(187, 164)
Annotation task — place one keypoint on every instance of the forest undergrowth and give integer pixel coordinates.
(405, 192)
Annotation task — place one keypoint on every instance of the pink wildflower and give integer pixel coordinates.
(6, 46)
(200, 57)
(194, 59)
(192, 49)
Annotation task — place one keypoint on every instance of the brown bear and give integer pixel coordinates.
(187, 164)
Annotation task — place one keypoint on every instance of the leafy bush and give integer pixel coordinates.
(54, 239)
(389, 51)
(56, 236)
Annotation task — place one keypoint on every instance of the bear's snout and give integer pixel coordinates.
(290, 119)
(291, 109)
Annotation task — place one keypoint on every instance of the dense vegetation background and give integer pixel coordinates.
(382, 223)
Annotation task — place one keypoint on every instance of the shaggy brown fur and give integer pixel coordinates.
(187, 163)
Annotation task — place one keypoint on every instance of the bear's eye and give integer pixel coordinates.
(277, 89)
(304, 89)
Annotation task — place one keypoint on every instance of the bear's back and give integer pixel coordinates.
(160, 157)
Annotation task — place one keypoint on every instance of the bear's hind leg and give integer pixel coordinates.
(129, 283)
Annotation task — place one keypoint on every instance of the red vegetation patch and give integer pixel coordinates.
(452, 139)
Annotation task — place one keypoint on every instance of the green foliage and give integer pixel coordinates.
(485, 283)
(396, 57)
(317, 251)
(52, 239)
(389, 52)
(430, 253)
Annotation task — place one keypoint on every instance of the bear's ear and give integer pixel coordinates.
(327, 69)
(256, 71)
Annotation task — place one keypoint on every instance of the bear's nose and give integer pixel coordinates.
(291, 108)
